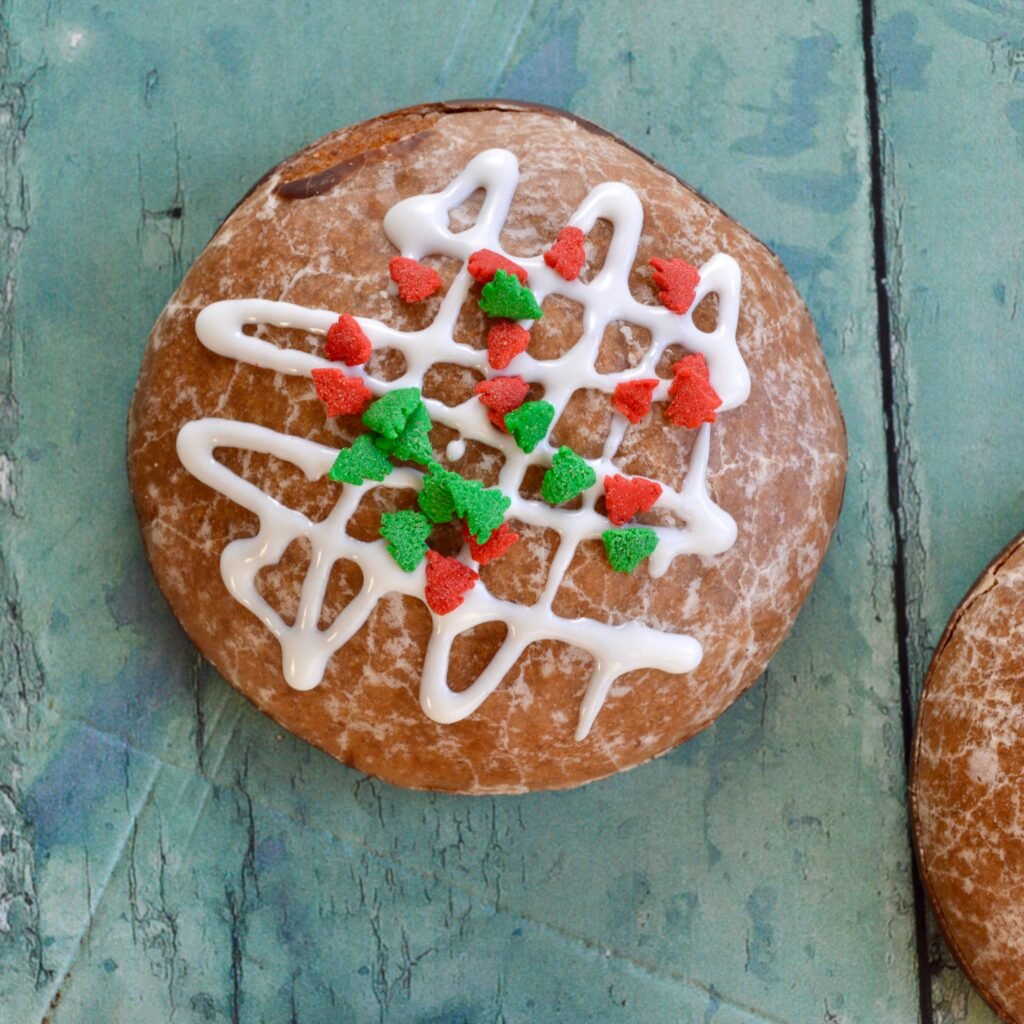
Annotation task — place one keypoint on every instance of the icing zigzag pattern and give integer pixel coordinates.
(418, 227)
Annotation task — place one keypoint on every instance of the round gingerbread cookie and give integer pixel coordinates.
(967, 785)
(483, 453)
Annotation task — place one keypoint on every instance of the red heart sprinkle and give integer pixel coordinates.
(343, 396)
(415, 281)
(694, 400)
(678, 282)
(633, 398)
(485, 263)
(503, 394)
(498, 419)
(447, 580)
(505, 340)
(497, 544)
(567, 256)
(626, 496)
(346, 342)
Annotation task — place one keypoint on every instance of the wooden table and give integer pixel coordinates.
(167, 854)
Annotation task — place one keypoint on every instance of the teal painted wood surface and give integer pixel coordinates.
(951, 80)
(166, 853)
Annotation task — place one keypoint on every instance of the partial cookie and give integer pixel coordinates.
(484, 454)
(967, 788)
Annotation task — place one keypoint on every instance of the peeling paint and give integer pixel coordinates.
(22, 679)
(7, 488)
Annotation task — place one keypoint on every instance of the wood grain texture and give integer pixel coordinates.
(951, 90)
(167, 852)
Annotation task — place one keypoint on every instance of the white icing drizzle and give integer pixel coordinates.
(418, 226)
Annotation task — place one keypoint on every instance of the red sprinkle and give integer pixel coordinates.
(633, 398)
(503, 394)
(505, 340)
(567, 256)
(694, 400)
(347, 343)
(447, 580)
(485, 263)
(497, 544)
(678, 282)
(626, 496)
(415, 281)
(695, 363)
(342, 395)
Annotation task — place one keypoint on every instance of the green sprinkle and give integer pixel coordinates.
(484, 517)
(627, 548)
(435, 499)
(483, 509)
(389, 414)
(413, 442)
(529, 423)
(568, 476)
(361, 462)
(446, 494)
(406, 533)
(504, 296)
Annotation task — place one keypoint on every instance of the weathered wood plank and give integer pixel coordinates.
(179, 851)
(951, 89)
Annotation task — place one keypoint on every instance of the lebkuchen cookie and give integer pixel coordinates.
(967, 787)
(483, 453)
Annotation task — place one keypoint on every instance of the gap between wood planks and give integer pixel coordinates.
(885, 350)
